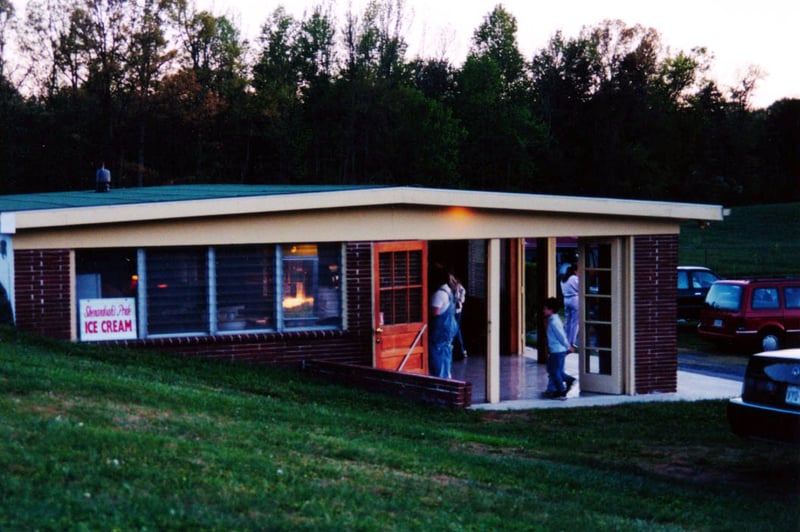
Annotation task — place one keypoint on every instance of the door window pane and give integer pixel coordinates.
(401, 286)
(598, 314)
(598, 309)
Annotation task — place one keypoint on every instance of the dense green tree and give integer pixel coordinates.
(374, 44)
(165, 93)
(315, 49)
(435, 78)
(781, 146)
(565, 76)
(205, 103)
(276, 78)
(146, 57)
(496, 39)
(504, 138)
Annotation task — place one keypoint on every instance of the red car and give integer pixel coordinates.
(763, 314)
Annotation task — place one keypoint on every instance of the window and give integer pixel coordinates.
(310, 292)
(106, 273)
(245, 285)
(400, 288)
(725, 297)
(683, 280)
(217, 290)
(177, 290)
(791, 294)
(702, 279)
(765, 298)
(598, 311)
(106, 286)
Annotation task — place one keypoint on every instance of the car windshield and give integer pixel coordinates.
(703, 279)
(724, 297)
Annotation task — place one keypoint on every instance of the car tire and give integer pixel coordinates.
(771, 341)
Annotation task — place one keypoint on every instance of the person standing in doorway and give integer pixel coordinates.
(558, 381)
(570, 290)
(459, 296)
(442, 326)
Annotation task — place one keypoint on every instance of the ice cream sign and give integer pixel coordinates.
(108, 319)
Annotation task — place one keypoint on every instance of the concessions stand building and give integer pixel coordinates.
(290, 275)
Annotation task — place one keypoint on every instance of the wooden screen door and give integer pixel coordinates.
(401, 312)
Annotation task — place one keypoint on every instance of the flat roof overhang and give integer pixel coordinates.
(322, 215)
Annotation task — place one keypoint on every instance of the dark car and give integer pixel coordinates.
(693, 285)
(769, 408)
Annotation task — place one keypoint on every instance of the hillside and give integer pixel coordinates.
(100, 439)
(756, 240)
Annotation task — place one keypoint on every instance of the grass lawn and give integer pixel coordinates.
(758, 240)
(102, 439)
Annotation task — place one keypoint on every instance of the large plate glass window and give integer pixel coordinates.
(106, 273)
(310, 288)
(106, 287)
(203, 290)
(177, 290)
(245, 288)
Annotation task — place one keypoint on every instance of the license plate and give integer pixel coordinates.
(717, 323)
(793, 395)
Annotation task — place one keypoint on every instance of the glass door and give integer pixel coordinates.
(601, 367)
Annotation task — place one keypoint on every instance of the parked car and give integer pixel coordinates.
(762, 314)
(769, 407)
(693, 285)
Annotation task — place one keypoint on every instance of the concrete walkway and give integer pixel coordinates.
(523, 380)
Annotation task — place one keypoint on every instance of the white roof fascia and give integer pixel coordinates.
(8, 225)
(413, 196)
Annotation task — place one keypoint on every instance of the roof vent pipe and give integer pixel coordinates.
(103, 180)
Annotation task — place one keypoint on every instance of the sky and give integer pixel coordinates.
(739, 33)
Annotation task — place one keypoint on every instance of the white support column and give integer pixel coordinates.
(493, 275)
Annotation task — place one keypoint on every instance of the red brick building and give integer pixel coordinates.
(286, 275)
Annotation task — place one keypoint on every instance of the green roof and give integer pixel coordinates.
(141, 195)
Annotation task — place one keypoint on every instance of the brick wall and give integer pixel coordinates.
(655, 301)
(422, 388)
(42, 292)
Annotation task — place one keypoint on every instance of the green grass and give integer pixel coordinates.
(759, 240)
(98, 439)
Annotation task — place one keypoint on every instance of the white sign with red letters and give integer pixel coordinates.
(108, 319)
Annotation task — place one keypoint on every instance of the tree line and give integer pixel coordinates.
(160, 92)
